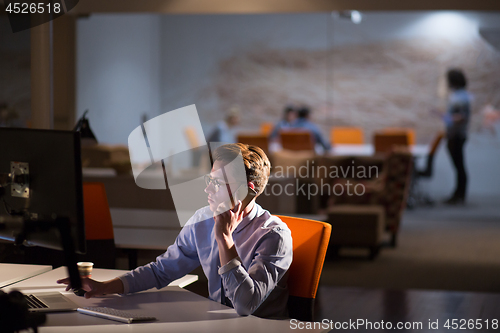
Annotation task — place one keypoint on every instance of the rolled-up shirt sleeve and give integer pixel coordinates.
(248, 287)
(179, 259)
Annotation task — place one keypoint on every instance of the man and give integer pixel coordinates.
(457, 121)
(225, 131)
(303, 122)
(247, 251)
(288, 121)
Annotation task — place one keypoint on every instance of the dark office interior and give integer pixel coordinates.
(368, 72)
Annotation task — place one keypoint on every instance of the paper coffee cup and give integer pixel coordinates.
(85, 268)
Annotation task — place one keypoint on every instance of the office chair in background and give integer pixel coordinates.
(297, 140)
(98, 227)
(417, 196)
(257, 139)
(310, 242)
(384, 142)
(347, 135)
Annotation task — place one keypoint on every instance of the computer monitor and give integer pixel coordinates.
(41, 180)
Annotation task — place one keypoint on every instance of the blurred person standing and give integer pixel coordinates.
(456, 121)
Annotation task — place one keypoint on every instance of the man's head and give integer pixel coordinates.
(256, 171)
(233, 116)
(303, 113)
(456, 79)
(289, 114)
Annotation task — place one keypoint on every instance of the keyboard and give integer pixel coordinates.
(113, 314)
(34, 302)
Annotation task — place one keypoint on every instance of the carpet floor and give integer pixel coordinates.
(439, 248)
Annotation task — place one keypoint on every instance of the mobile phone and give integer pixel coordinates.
(251, 193)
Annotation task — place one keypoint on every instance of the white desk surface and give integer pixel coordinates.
(47, 281)
(12, 273)
(176, 309)
(356, 149)
(368, 149)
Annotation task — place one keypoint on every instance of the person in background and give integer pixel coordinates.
(456, 121)
(224, 131)
(288, 121)
(303, 122)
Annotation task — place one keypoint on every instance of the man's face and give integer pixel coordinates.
(219, 187)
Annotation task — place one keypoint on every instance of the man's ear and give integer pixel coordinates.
(251, 185)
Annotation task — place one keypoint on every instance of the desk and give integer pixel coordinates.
(177, 310)
(47, 281)
(357, 150)
(12, 273)
(368, 149)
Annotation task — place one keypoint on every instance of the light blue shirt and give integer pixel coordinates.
(282, 125)
(222, 133)
(314, 130)
(459, 103)
(255, 284)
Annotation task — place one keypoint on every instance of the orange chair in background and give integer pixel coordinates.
(266, 128)
(409, 132)
(98, 226)
(192, 137)
(347, 135)
(297, 140)
(310, 243)
(385, 141)
(259, 140)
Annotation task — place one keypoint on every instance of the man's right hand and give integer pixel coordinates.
(96, 288)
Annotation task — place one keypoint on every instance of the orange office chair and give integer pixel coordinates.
(310, 242)
(266, 128)
(192, 137)
(384, 142)
(297, 140)
(347, 135)
(409, 132)
(259, 140)
(98, 226)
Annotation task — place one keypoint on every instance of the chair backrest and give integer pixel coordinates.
(346, 135)
(98, 227)
(409, 132)
(266, 128)
(310, 242)
(385, 142)
(435, 143)
(430, 158)
(98, 223)
(297, 140)
(398, 169)
(258, 139)
(192, 137)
